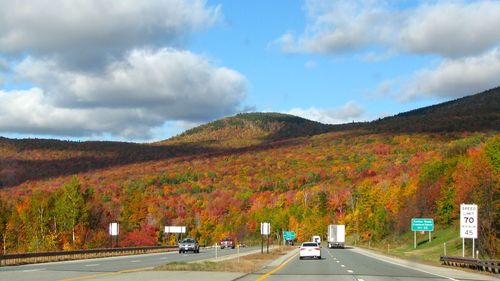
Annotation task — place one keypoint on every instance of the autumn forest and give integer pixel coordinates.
(225, 177)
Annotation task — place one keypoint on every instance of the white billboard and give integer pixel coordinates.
(468, 221)
(113, 229)
(175, 229)
(265, 228)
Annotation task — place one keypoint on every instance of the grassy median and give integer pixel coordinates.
(248, 263)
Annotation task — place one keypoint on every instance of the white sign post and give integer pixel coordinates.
(114, 230)
(265, 229)
(468, 224)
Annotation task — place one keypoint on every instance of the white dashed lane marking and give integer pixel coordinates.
(33, 270)
(350, 271)
(136, 261)
(94, 264)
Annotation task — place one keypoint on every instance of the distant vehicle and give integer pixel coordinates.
(310, 250)
(227, 242)
(316, 239)
(189, 244)
(336, 236)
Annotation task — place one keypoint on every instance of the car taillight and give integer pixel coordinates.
(317, 249)
(302, 249)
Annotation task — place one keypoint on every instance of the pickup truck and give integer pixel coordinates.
(227, 242)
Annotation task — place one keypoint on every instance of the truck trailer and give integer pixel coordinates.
(336, 236)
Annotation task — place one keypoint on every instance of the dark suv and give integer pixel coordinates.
(227, 242)
(189, 244)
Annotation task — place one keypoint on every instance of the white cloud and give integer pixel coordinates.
(454, 78)
(130, 98)
(349, 112)
(338, 27)
(83, 33)
(450, 29)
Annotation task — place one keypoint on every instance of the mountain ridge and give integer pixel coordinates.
(254, 128)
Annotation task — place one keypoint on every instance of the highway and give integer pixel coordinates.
(98, 267)
(351, 264)
(358, 265)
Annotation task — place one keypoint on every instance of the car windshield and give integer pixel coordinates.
(310, 245)
(188, 240)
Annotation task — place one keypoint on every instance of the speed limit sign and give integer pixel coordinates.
(468, 221)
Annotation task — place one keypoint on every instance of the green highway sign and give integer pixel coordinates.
(288, 235)
(418, 224)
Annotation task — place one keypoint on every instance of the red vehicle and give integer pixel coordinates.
(227, 242)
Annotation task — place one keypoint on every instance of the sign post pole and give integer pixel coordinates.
(463, 247)
(414, 239)
(268, 243)
(262, 244)
(473, 247)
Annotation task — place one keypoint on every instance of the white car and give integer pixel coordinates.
(310, 250)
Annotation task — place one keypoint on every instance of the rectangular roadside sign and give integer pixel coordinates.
(288, 235)
(468, 221)
(420, 224)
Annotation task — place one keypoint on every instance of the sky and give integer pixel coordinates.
(144, 71)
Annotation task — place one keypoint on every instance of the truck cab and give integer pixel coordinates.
(316, 239)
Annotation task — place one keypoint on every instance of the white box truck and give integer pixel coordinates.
(336, 236)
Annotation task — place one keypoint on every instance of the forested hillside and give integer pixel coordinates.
(247, 129)
(373, 181)
(479, 112)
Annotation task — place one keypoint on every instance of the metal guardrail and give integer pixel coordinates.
(477, 264)
(39, 257)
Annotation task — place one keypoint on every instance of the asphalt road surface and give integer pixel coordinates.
(336, 264)
(73, 270)
(356, 265)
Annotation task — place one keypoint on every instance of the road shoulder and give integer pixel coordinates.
(444, 272)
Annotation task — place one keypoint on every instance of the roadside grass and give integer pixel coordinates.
(248, 263)
(426, 251)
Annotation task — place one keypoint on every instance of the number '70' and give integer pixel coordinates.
(469, 219)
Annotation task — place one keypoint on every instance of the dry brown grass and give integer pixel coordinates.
(248, 263)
